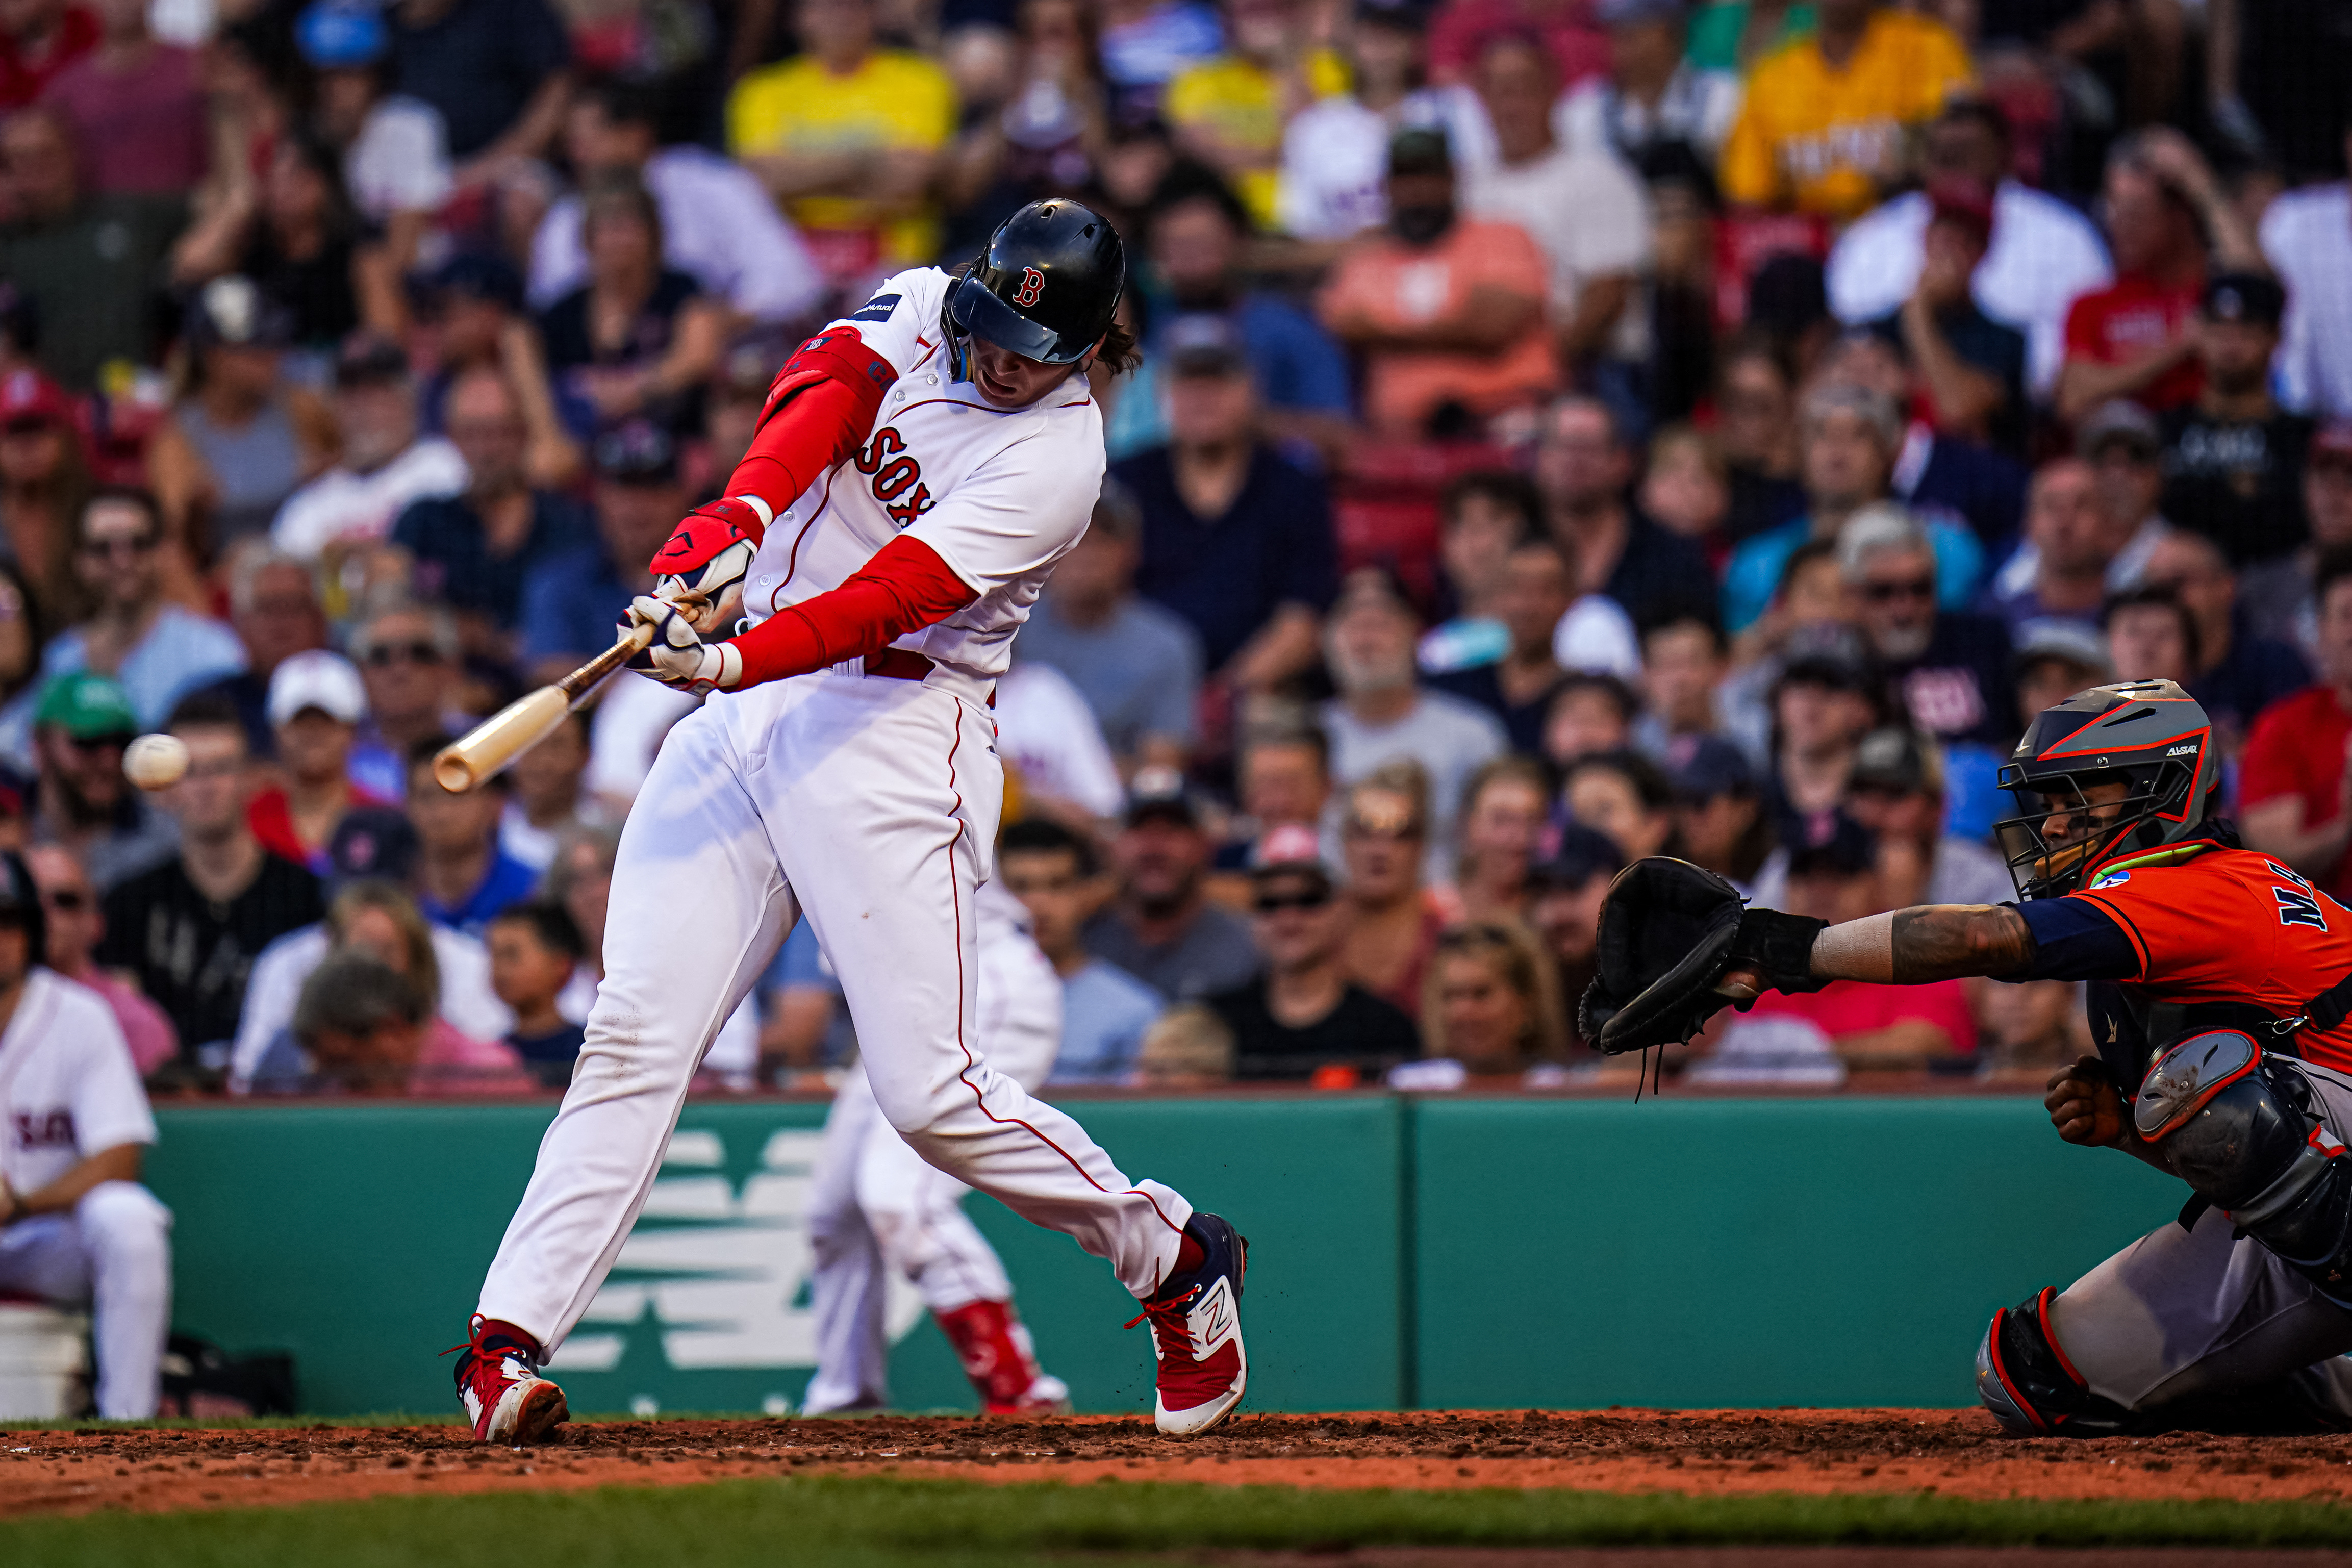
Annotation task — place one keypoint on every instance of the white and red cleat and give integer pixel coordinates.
(1047, 1396)
(1196, 1333)
(1000, 1359)
(498, 1383)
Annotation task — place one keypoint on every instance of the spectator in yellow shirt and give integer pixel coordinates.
(848, 138)
(1230, 111)
(1823, 129)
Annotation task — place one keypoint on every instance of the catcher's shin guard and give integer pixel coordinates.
(2031, 1387)
(2242, 1127)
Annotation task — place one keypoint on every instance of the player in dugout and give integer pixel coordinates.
(2219, 986)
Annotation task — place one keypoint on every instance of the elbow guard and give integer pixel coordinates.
(818, 412)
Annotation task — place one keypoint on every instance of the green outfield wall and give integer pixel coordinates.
(1437, 1252)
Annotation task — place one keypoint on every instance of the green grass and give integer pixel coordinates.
(888, 1523)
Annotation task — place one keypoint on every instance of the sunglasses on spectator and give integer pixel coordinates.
(1882, 592)
(67, 900)
(384, 655)
(1273, 903)
(87, 744)
(1476, 933)
(136, 545)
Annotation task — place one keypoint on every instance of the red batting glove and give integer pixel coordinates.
(710, 554)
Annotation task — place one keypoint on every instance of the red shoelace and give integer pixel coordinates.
(1168, 1319)
(474, 1336)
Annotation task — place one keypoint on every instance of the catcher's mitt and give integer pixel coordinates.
(1669, 930)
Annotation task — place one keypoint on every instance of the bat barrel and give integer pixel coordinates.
(452, 771)
(484, 751)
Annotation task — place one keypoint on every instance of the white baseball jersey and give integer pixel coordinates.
(1001, 494)
(869, 806)
(67, 1086)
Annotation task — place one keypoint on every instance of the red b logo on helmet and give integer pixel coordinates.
(1033, 283)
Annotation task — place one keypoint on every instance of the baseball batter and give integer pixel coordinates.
(917, 470)
(2221, 982)
(879, 1207)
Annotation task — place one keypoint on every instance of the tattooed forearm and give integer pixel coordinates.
(1931, 942)
(1945, 941)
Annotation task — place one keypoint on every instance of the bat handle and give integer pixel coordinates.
(577, 686)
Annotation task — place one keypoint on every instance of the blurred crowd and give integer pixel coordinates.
(1567, 431)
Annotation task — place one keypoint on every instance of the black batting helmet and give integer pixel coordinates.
(1045, 285)
(2149, 736)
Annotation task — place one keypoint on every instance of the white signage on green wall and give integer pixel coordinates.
(723, 1270)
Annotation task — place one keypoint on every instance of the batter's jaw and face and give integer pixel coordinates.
(1008, 380)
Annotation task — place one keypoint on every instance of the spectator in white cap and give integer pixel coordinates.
(316, 703)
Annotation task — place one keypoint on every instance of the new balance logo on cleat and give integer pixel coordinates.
(1196, 1334)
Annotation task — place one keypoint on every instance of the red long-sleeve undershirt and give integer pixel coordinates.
(819, 412)
(820, 409)
(904, 588)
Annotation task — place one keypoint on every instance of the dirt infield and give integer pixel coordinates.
(1956, 1453)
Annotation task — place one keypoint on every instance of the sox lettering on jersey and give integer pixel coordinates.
(898, 479)
(53, 1129)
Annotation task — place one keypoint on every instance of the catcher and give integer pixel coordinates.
(2219, 985)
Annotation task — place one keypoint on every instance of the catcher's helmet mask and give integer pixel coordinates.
(1044, 287)
(2150, 736)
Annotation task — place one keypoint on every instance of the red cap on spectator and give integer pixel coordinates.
(1291, 853)
(26, 397)
(1961, 200)
(1289, 847)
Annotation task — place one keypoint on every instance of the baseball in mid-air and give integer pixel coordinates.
(155, 762)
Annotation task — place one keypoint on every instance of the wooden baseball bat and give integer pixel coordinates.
(485, 750)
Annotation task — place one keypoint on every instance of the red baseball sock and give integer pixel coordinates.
(994, 1349)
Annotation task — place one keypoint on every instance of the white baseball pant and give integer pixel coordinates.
(113, 1252)
(2205, 1311)
(869, 806)
(877, 1208)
